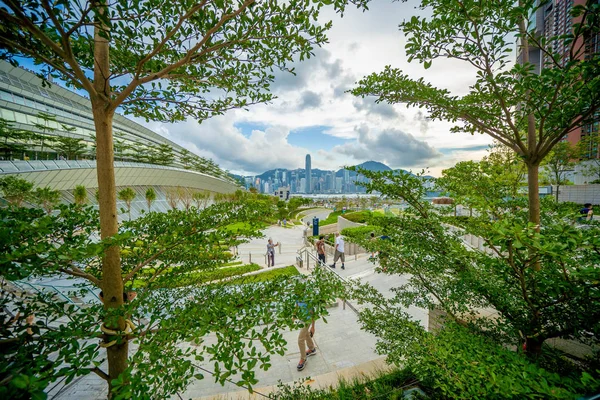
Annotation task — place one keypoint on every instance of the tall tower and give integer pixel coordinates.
(308, 172)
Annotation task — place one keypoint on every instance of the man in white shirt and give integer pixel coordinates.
(339, 250)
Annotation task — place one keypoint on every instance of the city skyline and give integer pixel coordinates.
(340, 181)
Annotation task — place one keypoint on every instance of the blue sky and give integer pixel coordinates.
(314, 139)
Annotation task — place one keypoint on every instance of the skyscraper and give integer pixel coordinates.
(550, 20)
(308, 173)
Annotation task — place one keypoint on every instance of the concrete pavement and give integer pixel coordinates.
(344, 350)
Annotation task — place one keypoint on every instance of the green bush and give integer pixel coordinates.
(331, 219)
(361, 217)
(265, 276)
(359, 232)
(200, 277)
(458, 364)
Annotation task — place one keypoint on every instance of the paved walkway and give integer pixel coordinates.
(344, 351)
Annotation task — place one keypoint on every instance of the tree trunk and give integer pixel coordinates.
(557, 188)
(533, 347)
(533, 194)
(112, 281)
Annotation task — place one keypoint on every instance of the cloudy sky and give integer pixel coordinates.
(313, 114)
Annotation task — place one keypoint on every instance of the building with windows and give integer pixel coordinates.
(49, 112)
(308, 187)
(551, 19)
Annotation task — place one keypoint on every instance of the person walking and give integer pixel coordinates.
(271, 253)
(587, 213)
(321, 249)
(339, 250)
(373, 253)
(306, 334)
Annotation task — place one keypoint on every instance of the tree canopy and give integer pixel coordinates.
(526, 110)
(480, 273)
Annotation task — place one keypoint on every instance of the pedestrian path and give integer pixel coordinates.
(344, 350)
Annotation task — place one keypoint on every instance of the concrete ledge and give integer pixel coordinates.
(365, 372)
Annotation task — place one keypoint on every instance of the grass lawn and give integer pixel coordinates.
(244, 225)
(331, 219)
(264, 276)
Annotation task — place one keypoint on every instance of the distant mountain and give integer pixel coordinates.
(368, 165)
(374, 166)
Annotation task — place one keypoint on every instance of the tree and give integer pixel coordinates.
(127, 195)
(47, 198)
(172, 320)
(47, 129)
(558, 163)
(15, 190)
(158, 72)
(491, 182)
(71, 148)
(504, 102)
(11, 140)
(80, 195)
(172, 197)
(185, 197)
(150, 197)
(589, 151)
(530, 306)
(122, 147)
(186, 158)
(166, 154)
(282, 210)
(201, 198)
(141, 154)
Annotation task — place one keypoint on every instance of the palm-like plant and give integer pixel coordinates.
(150, 197)
(127, 195)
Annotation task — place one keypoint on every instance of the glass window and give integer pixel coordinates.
(61, 164)
(6, 96)
(30, 103)
(50, 164)
(8, 114)
(37, 164)
(22, 165)
(21, 118)
(7, 166)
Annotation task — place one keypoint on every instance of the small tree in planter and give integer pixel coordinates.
(150, 197)
(80, 195)
(127, 195)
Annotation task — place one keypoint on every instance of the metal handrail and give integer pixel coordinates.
(305, 251)
(54, 290)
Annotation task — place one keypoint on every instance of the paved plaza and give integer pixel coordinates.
(344, 351)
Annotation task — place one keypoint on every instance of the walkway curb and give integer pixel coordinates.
(365, 371)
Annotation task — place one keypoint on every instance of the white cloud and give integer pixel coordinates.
(361, 43)
(393, 147)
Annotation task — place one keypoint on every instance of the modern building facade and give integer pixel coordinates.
(52, 112)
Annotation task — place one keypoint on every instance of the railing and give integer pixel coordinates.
(39, 288)
(305, 253)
